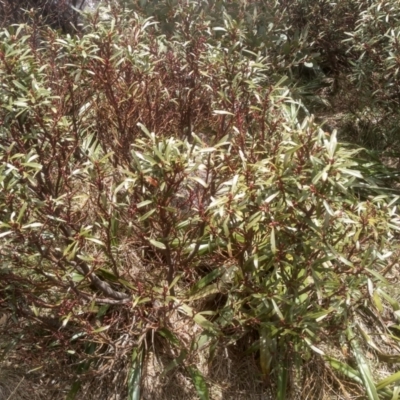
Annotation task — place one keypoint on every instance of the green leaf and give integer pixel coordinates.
(351, 172)
(205, 292)
(199, 383)
(206, 280)
(95, 240)
(22, 212)
(157, 244)
(175, 281)
(101, 329)
(70, 250)
(204, 323)
(332, 144)
(135, 375)
(77, 277)
(282, 380)
(147, 215)
(266, 357)
(199, 180)
(394, 303)
(363, 367)
(144, 203)
(36, 166)
(175, 362)
(167, 334)
(20, 86)
(388, 381)
(20, 103)
(102, 310)
(108, 275)
(345, 369)
(277, 310)
(198, 318)
(74, 390)
(270, 198)
(144, 129)
(273, 244)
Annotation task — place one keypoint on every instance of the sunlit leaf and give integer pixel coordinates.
(157, 244)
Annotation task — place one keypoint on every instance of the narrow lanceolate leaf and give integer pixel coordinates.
(332, 144)
(363, 367)
(144, 203)
(389, 358)
(33, 225)
(270, 198)
(205, 292)
(344, 369)
(351, 172)
(144, 129)
(170, 336)
(204, 323)
(282, 381)
(198, 318)
(314, 348)
(203, 282)
(3, 234)
(199, 180)
(147, 215)
(175, 362)
(175, 281)
(265, 351)
(134, 376)
(277, 310)
(157, 244)
(94, 240)
(199, 383)
(101, 329)
(22, 212)
(394, 303)
(74, 390)
(273, 244)
(222, 112)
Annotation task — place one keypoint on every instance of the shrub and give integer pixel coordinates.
(162, 189)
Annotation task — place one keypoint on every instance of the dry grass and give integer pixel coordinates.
(15, 384)
(232, 375)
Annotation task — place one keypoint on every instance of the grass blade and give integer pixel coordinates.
(388, 381)
(344, 369)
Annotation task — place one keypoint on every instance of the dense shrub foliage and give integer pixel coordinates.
(164, 181)
(59, 14)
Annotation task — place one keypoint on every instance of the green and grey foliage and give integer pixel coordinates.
(161, 175)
